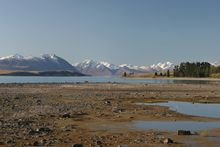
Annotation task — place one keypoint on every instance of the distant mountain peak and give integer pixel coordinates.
(15, 56)
(52, 56)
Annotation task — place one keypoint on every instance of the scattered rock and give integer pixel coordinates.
(184, 132)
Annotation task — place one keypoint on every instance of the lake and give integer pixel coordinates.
(37, 79)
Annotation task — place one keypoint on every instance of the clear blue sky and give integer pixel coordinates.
(138, 32)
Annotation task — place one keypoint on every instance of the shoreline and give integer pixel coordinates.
(177, 78)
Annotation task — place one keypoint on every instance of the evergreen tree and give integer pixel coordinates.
(168, 73)
(124, 74)
(198, 69)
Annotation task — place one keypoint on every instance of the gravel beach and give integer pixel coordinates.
(74, 114)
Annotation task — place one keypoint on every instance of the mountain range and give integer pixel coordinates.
(52, 62)
(92, 67)
(44, 63)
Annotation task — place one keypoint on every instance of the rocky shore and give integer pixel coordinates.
(70, 114)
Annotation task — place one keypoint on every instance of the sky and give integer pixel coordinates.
(139, 32)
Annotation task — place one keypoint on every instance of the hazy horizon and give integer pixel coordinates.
(142, 32)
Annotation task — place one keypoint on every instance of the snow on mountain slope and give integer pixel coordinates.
(46, 62)
(215, 64)
(162, 66)
(15, 57)
(91, 67)
(104, 68)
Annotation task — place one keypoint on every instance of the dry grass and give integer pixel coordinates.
(7, 71)
(144, 75)
(12, 71)
(204, 133)
(216, 75)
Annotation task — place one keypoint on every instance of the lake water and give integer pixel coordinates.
(29, 79)
(196, 109)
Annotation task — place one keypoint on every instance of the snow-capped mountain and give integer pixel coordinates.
(162, 66)
(46, 62)
(104, 68)
(215, 64)
(91, 67)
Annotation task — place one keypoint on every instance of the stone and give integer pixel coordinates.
(107, 102)
(99, 143)
(77, 145)
(33, 132)
(38, 102)
(184, 132)
(10, 142)
(168, 141)
(66, 115)
(36, 143)
(45, 130)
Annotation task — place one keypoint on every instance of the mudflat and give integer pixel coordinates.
(74, 114)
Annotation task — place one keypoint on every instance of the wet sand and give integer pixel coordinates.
(68, 114)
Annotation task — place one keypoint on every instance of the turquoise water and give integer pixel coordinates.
(196, 109)
(23, 79)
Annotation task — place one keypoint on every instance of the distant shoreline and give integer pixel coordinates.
(44, 74)
(176, 78)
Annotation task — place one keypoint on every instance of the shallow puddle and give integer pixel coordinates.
(159, 125)
(175, 125)
(195, 109)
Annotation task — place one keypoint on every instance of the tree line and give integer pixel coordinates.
(215, 69)
(194, 69)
